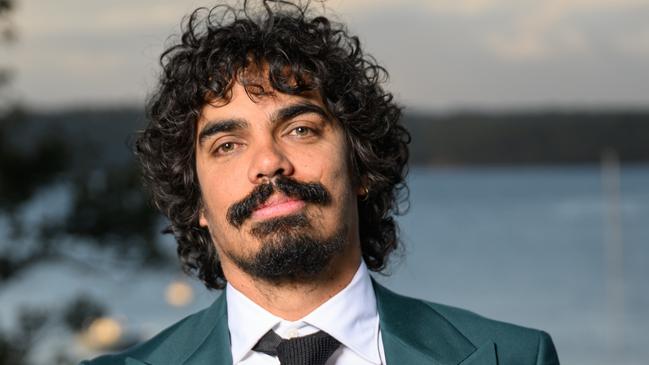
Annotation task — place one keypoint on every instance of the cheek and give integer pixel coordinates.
(325, 167)
(336, 177)
(325, 162)
(218, 193)
(217, 199)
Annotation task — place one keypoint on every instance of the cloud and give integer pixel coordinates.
(37, 18)
(521, 30)
(438, 51)
(635, 42)
(451, 7)
(539, 29)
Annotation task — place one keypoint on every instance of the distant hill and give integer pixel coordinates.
(102, 135)
(528, 138)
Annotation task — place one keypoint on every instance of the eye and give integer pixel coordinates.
(225, 148)
(302, 131)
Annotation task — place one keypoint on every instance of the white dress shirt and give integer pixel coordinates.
(350, 317)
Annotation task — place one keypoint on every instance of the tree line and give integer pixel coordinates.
(528, 137)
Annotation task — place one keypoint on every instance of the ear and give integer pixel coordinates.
(202, 218)
(362, 188)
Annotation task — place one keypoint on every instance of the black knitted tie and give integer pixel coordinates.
(313, 349)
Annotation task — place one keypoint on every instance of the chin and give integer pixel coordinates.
(291, 253)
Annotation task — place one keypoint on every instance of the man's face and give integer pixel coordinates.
(278, 197)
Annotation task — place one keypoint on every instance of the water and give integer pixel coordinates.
(522, 245)
(528, 246)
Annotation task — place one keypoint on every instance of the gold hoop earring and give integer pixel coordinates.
(365, 195)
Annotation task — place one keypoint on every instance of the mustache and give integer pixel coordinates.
(314, 193)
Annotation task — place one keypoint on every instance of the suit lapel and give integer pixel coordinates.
(213, 337)
(484, 355)
(203, 339)
(414, 333)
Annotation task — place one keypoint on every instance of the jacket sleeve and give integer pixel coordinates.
(546, 353)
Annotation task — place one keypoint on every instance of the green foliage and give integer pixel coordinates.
(108, 207)
(26, 167)
(5, 6)
(26, 170)
(33, 323)
(10, 354)
(6, 34)
(15, 345)
(81, 312)
(111, 209)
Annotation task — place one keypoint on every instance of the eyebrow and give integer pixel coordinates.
(295, 110)
(228, 125)
(218, 126)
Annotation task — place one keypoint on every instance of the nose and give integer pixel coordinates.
(269, 161)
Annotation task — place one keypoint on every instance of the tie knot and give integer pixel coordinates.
(313, 349)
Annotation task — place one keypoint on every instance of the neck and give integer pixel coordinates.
(293, 301)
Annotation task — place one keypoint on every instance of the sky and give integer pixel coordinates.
(441, 54)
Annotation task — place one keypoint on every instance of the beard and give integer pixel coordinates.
(290, 252)
(291, 249)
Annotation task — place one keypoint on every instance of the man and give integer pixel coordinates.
(279, 160)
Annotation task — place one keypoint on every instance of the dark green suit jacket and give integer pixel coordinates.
(413, 331)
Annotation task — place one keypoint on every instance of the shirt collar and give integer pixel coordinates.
(351, 317)
(247, 322)
(356, 323)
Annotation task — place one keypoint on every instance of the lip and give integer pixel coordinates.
(277, 205)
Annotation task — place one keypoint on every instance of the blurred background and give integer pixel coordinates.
(529, 184)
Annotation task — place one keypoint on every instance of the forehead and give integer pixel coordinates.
(257, 102)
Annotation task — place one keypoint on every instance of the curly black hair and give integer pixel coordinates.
(300, 53)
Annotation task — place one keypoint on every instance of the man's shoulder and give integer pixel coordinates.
(478, 328)
(514, 344)
(169, 344)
